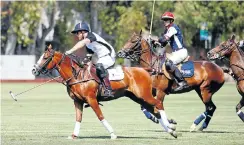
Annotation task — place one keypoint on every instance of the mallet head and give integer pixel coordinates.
(12, 95)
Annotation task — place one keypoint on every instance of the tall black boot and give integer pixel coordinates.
(107, 86)
(182, 84)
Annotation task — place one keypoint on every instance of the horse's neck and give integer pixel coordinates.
(236, 57)
(65, 68)
(148, 58)
(237, 62)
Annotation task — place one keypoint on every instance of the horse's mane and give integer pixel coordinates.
(74, 58)
(148, 43)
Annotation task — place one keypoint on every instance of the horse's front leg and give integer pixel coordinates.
(78, 114)
(94, 105)
(160, 96)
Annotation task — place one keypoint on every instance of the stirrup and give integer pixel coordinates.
(108, 93)
(181, 87)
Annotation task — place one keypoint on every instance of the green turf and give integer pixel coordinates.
(46, 116)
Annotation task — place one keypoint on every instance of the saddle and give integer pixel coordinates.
(186, 67)
(115, 73)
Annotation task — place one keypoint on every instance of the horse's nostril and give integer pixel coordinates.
(208, 53)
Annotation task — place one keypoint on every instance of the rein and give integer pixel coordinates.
(135, 53)
(233, 64)
(58, 68)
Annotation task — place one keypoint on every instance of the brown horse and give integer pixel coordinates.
(83, 87)
(230, 50)
(208, 77)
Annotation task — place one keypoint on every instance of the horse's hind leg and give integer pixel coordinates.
(149, 114)
(238, 109)
(163, 120)
(94, 105)
(149, 102)
(240, 87)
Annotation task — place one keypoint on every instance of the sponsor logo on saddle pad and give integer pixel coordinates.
(187, 69)
(116, 73)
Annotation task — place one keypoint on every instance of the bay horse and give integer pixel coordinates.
(230, 50)
(83, 87)
(208, 78)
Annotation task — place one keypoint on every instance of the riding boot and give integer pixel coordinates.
(107, 86)
(182, 84)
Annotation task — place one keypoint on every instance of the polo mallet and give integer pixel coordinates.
(14, 95)
(151, 20)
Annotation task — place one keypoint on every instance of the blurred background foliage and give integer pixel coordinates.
(22, 22)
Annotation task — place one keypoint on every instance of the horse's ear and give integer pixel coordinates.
(140, 32)
(238, 43)
(233, 37)
(50, 46)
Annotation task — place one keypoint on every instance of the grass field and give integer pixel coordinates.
(46, 116)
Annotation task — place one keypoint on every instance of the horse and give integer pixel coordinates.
(207, 77)
(230, 50)
(83, 87)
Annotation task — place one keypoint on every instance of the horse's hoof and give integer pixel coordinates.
(72, 137)
(193, 127)
(172, 126)
(200, 129)
(172, 121)
(173, 133)
(113, 136)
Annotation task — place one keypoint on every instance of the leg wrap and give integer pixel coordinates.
(210, 107)
(200, 118)
(241, 115)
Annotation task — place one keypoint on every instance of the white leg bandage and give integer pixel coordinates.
(77, 128)
(164, 121)
(107, 126)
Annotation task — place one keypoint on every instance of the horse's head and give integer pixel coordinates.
(45, 62)
(223, 50)
(132, 49)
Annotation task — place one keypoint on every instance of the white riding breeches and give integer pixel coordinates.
(106, 60)
(178, 56)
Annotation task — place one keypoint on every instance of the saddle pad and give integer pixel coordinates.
(187, 69)
(116, 73)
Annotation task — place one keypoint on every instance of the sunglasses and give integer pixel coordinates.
(166, 20)
(82, 32)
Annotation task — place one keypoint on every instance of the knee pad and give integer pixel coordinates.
(101, 71)
(169, 65)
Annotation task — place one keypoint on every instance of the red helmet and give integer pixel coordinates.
(168, 15)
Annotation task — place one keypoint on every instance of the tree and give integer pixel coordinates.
(23, 22)
(222, 17)
(51, 11)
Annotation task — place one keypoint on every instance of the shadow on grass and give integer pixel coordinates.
(187, 131)
(119, 137)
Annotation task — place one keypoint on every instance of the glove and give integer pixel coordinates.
(67, 52)
(241, 43)
(155, 43)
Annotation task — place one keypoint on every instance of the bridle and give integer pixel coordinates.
(226, 48)
(135, 52)
(42, 69)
